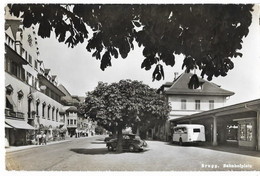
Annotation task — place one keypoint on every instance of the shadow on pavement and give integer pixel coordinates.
(100, 142)
(98, 151)
(94, 151)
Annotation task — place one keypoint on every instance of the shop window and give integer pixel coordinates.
(249, 132)
(246, 132)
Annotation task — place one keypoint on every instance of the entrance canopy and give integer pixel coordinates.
(19, 124)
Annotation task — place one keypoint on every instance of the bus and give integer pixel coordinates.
(188, 133)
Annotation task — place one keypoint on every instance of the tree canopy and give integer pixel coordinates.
(125, 104)
(207, 35)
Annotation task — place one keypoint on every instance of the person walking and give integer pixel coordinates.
(38, 136)
(44, 138)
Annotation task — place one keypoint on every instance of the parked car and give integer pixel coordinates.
(130, 142)
(108, 138)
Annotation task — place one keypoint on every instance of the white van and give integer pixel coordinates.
(188, 133)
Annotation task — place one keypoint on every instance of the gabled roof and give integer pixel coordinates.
(180, 87)
(14, 25)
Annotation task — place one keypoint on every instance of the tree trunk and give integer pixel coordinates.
(114, 133)
(119, 147)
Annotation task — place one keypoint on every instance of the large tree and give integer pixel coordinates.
(207, 35)
(125, 104)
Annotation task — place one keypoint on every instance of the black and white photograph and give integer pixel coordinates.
(132, 87)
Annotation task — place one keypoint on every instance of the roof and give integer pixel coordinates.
(180, 87)
(72, 109)
(14, 24)
(68, 99)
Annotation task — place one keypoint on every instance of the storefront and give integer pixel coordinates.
(247, 132)
(16, 131)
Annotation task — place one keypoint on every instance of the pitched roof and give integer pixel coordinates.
(14, 25)
(72, 109)
(180, 87)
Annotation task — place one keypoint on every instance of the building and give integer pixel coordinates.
(76, 124)
(236, 125)
(34, 101)
(185, 101)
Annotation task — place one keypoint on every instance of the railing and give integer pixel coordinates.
(11, 113)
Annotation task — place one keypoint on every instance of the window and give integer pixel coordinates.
(246, 132)
(211, 104)
(57, 115)
(37, 107)
(30, 59)
(49, 107)
(43, 109)
(197, 104)
(19, 103)
(75, 121)
(183, 104)
(28, 78)
(196, 130)
(36, 64)
(14, 69)
(242, 132)
(249, 132)
(71, 121)
(53, 113)
(68, 122)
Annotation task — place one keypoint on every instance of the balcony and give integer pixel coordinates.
(72, 126)
(11, 113)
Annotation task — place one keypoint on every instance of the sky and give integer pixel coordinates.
(79, 72)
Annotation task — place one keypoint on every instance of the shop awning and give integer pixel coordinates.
(8, 126)
(19, 124)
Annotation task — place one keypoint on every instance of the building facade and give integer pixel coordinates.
(34, 101)
(77, 124)
(185, 101)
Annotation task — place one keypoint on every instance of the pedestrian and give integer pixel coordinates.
(44, 138)
(38, 138)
